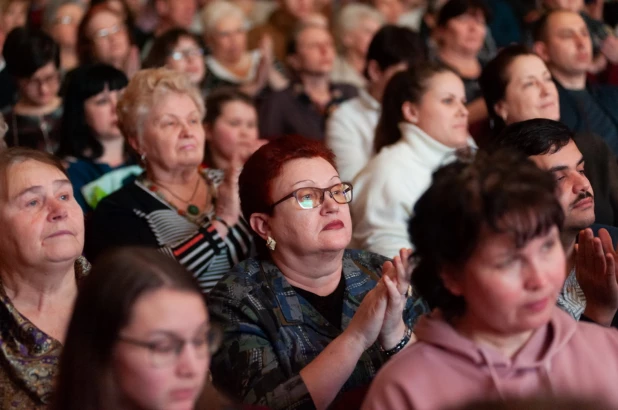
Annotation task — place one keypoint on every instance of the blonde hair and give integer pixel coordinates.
(215, 11)
(353, 14)
(144, 90)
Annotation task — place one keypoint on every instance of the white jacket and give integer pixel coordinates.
(350, 133)
(386, 190)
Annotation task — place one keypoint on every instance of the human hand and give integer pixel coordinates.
(367, 322)
(595, 267)
(396, 276)
(228, 199)
(609, 48)
(133, 62)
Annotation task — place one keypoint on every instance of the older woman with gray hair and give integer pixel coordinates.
(357, 23)
(230, 63)
(61, 19)
(186, 211)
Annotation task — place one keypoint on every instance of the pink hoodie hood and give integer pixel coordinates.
(535, 356)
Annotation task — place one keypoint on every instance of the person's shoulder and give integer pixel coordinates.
(240, 279)
(128, 197)
(346, 90)
(349, 107)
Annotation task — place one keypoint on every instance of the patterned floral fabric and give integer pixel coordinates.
(28, 357)
(271, 332)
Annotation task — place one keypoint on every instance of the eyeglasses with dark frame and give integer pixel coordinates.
(312, 197)
(166, 352)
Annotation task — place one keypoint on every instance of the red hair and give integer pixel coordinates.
(261, 169)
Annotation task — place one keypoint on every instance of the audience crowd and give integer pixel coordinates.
(258, 204)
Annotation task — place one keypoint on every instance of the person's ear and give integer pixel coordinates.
(373, 71)
(501, 110)
(134, 143)
(450, 283)
(540, 48)
(260, 224)
(410, 113)
(293, 61)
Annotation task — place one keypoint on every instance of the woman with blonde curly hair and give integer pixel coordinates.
(188, 212)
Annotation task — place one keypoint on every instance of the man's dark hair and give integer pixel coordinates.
(501, 192)
(392, 45)
(538, 136)
(28, 50)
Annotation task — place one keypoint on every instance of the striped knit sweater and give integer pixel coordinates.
(134, 215)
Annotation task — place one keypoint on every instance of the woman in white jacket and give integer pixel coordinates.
(424, 120)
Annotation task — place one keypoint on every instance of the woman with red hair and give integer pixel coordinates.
(305, 300)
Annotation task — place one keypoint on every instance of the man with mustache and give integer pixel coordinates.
(550, 145)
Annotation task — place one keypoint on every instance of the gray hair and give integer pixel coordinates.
(51, 9)
(353, 14)
(215, 11)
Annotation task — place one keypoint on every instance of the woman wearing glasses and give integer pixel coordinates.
(33, 59)
(187, 211)
(179, 50)
(60, 20)
(306, 319)
(103, 38)
(229, 62)
(149, 347)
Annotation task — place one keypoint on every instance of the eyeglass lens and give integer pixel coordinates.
(313, 197)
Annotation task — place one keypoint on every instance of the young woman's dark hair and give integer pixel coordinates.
(28, 50)
(495, 78)
(102, 309)
(455, 8)
(164, 45)
(392, 45)
(76, 137)
(405, 86)
(501, 192)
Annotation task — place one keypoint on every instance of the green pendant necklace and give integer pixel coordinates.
(192, 209)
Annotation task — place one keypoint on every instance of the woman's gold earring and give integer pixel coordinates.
(271, 243)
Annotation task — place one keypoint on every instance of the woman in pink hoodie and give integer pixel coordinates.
(489, 260)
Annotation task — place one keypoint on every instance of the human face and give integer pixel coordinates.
(228, 39)
(42, 88)
(159, 318)
(299, 9)
(358, 40)
(442, 112)
(568, 47)
(327, 228)
(109, 37)
(574, 190)
(180, 12)
(14, 16)
(100, 114)
(315, 53)
(235, 130)
(465, 33)
(64, 26)
(509, 291)
(530, 92)
(187, 57)
(390, 9)
(173, 136)
(42, 224)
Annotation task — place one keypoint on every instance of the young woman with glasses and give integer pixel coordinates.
(320, 318)
(33, 59)
(179, 50)
(140, 337)
(103, 37)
